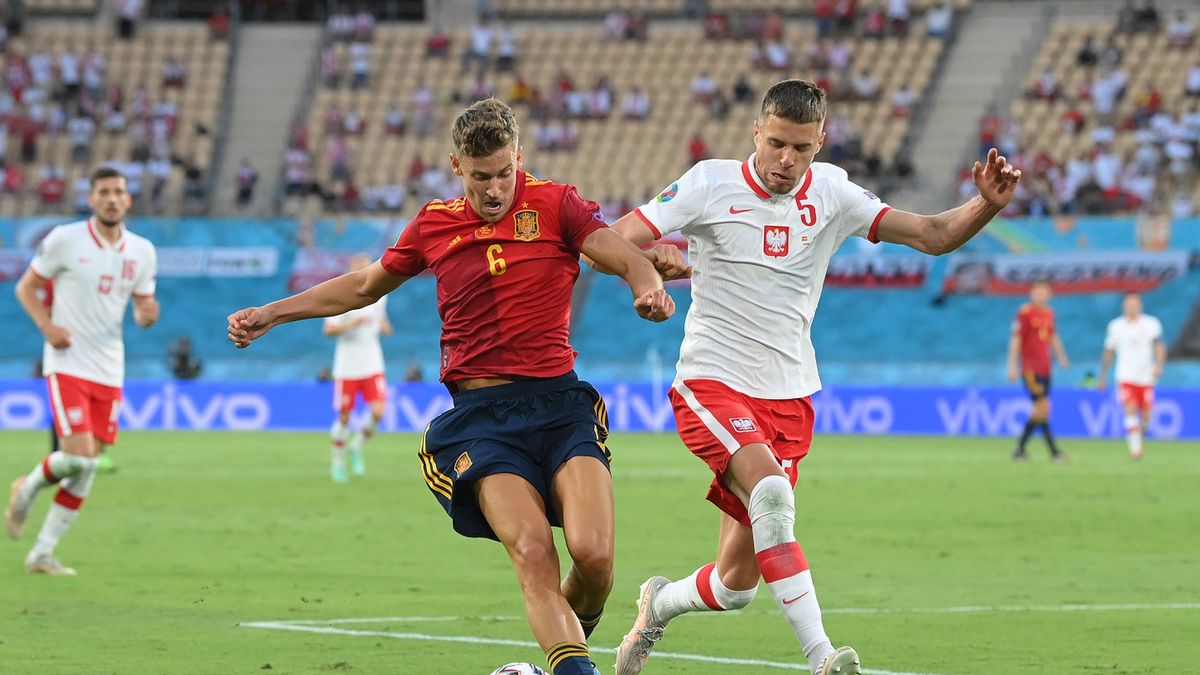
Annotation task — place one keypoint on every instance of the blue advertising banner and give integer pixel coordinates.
(632, 406)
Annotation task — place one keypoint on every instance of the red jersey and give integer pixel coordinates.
(503, 288)
(1034, 328)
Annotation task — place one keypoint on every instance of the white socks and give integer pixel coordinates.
(367, 431)
(338, 435)
(55, 467)
(783, 566)
(702, 591)
(1133, 435)
(72, 491)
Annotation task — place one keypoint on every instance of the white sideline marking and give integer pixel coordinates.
(325, 626)
(982, 609)
(307, 627)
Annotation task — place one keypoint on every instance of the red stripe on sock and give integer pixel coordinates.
(68, 500)
(704, 585)
(781, 562)
(46, 470)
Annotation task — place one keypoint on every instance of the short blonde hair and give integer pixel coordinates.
(484, 128)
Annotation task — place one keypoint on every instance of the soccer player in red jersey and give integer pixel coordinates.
(1033, 335)
(97, 266)
(523, 449)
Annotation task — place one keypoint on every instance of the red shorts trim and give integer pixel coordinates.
(84, 407)
(714, 421)
(372, 389)
(1140, 395)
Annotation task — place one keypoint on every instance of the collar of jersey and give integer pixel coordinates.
(760, 188)
(518, 193)
(100, 242)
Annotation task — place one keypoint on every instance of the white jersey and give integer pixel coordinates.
(358, 354)
(759, 263)
(1133, 342)
(93, 281)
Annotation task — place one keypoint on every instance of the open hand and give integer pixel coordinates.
(655, 305)
(246, 325)
(996, 179)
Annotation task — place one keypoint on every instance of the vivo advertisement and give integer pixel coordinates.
(632, 406)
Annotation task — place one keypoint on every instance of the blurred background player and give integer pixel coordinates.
(1033, 335)
(96, 266)
(523, 448)
(357, 371)
(761, 233)
(1137, 341)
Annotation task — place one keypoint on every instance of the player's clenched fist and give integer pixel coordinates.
(669, 263)
(655, 305)
(248, 324)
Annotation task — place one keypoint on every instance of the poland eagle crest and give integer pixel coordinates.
(775, 240)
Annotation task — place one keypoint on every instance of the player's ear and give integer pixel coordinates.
(820, 141)
(520, 159)
(454, 165)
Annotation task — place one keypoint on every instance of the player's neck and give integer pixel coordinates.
(110, 233)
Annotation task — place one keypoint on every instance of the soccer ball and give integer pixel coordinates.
(519, 669)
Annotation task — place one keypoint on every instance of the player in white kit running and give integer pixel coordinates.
(1137, 341)
(357, 371)
(96, 266)
(760, 234)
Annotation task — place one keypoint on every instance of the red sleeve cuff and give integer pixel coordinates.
(143, 295)
(873, 234)
(653, 229)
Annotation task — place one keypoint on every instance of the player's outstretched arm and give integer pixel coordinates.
(330, 298)
(614, 252)
(996, 181)
(27, 294)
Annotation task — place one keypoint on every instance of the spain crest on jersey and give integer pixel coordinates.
(525, 225)
(775, 240)
(462, 464)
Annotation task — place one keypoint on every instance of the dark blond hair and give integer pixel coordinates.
(484, 128)
(794, 100)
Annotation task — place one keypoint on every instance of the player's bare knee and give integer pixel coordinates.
(594, 564)
(533, 555)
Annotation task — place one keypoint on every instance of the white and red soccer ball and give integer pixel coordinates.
(519, 669)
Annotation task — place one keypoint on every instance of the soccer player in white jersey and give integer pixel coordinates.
(1136, 340)
(96, 266)
(357, 371)
(760, 234)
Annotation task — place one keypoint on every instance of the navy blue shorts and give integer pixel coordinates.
(528, 428)
(1038, 386)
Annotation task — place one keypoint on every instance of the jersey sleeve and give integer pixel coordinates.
(1157, 330)
(1110, 335)
(858, 210)
(681, 204)
(147, 278)
(407, 257)
(47, 261)
(578, 217)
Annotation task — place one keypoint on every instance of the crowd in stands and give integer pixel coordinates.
(557, 111)
(54, 97)
(1142, 143)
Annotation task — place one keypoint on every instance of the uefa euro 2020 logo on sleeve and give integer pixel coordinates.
(668, 194)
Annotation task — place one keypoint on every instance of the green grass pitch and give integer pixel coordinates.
(930, 555)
